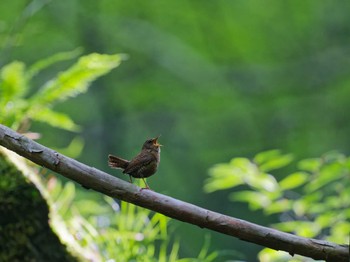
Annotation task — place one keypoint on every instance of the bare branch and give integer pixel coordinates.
(109, 185)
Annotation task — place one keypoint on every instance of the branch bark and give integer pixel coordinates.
(109, 185)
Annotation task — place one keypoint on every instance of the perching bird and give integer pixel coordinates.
(143, 165)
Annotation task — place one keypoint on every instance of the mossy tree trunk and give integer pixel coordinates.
(25, 233)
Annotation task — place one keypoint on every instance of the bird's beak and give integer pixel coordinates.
(155, 141)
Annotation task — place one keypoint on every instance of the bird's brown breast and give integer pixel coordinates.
(144, 164)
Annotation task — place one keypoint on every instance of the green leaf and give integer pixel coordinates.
(329, 173)
(255, 200)
(307, 229)
(12, 82)
(203, 253)
(340, 232)
(66, 198)
(326, 219)
(54, 119)
(13, 113)
(278, 206)
(266, 156)
(263, 182)
(287, 226)
(174, 251)
(91, 207)
(293, 180)
(301, 228)
(44, 63)
(272, 159)
(76, 79)
(309, 201)
(239, 171)
(271, 255)
(311, 164)
(243, 168)
(300, 207)
(222, 177)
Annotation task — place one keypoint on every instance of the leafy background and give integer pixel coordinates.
(217, 80)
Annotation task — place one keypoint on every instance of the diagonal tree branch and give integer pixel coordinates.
(109, 185)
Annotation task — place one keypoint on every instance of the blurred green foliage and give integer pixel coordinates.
(18, 107)
(313, 201)
(114, 232)
(218, 79)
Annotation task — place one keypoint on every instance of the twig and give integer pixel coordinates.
(97, 180)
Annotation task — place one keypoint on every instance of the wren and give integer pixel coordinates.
(144, 165)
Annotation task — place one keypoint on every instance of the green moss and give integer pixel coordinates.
(24, 220)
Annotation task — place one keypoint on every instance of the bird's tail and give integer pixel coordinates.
(117, 162)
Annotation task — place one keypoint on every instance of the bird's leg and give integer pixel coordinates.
(147, 186)
(130, 179)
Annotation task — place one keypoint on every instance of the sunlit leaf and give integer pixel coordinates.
(204, 250)
(163, 253)
(76, 79)
(300, 207)
(91, 207)
(212, 256)
(317, 208)
(293, 180)
(326, 219)
(244, 169)
(263, 181)
(12, 113)
(271, 255)
(334, 202)
(173, 256)
(12, 82)
(287, 226)
(244, 164)
(311, 164)
(301, 228)
(266, 156)
(340, 232)
(278, 206)
(239, 171)
(271, 160)
(83, 224)
(326, 175)
(307, 229)
(255, 200)
(222, 177)
(160, 221)
(46, 62)
(55, 119)
(66, 198)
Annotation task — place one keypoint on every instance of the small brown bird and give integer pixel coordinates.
(143, 165)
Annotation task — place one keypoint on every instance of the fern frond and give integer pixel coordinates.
(76, 79)
(54, 119)
(12, 82)
(46, 62)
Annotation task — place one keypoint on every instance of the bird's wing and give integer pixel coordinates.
(137, 162)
